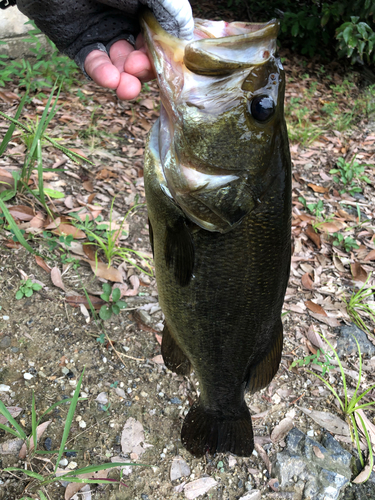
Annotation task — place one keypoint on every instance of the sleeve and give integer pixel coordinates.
(79, 26)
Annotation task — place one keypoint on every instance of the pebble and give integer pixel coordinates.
(120, 392)
(176, 401)
(72, 465)
(82, 424)
(48, 444)
(4, 388)
(63, 462)
(5, 318)
(71, 454)
(161, 394)
(5, 342)
(14, 349)
(254, 495)
(27, 376)
(64, 370)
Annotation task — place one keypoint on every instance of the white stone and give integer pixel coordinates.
(27, 376)
(82, 424)
(4, 388)
(63, 462)
(254, 495)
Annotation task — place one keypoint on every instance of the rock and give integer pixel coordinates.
(63, 462)
(48, 444)
(5, 342)
(346, 344)
(11, 447)
(27, 376)
(4, 388)
(254, 495)
(179, 469)
(323, 469)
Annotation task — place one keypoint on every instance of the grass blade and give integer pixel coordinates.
(63, 401)
(4, 411)
(33, 421)
(69, 419)
(14, 227)
(29, 473)
(9, 133)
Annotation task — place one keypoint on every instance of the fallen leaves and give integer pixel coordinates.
(329, 421)
(199, 487)
(39, 432)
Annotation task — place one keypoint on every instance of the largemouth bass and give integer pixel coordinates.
(218, 189)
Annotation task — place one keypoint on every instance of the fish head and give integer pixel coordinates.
(222, 117)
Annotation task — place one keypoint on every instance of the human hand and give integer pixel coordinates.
(127, 67)
(124, 70)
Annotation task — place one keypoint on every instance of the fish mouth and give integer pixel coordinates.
(203, 81)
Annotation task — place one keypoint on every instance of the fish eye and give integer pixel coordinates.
(262, 107)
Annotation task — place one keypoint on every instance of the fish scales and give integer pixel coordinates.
(218, 190)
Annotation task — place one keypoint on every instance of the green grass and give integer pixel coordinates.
(350, 405)
(39, 480)
(357, 302)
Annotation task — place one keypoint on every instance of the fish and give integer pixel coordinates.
(217, 177)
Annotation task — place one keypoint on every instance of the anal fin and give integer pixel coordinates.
(261, 374)
(173, 356)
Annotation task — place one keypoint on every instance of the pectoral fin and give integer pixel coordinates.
(179, 251)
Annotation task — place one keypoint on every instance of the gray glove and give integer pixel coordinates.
(78, 27)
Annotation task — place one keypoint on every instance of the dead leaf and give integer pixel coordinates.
(134, 280)
(56, 278)
(90, 251)
(6, 180)
(39, 432)
(315, 308)
(132, 436)
(281, 429)
(358, 273)
(325, 319)
(199, 487)
(85, 313)
(369, 426)
(158, 359)
(13, 410)
(314, 237)
(314, 337)
(318, 189)
(331, 227)
(41, 263)
(158, 338)
(88, 185)
(147, 103)
(73, 488)
(370, 256)
(338, 264)
(77, 300)
(263, 456)
(307, 282)
(21, 212)
(330, 422)
(101, 270)
(363, 475)
(68, 229)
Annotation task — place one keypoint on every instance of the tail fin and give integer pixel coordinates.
(203, 430)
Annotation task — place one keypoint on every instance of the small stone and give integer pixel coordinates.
(102, 398)
(161, 394)
(254, 495)
(176, 401)
(120, 392)
(4, 388)
(14, 349)
(346, 344)
(71, 454)
(48, 444)
(5, 342)
(144, 317)
(65, 370)
(179, 468)
(63, 462)
(144, 496)
(310, 433)
(82, 424)
(104, 359)
(144, 394)
(162, 455)
(72, 465)
(5, 318)
(27, 376)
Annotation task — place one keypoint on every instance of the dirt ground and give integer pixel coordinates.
(45, 343)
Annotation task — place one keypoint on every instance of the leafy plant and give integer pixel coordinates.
(349, 174)
(108, 243)
(350, 406)
(316, 209)
(356, 40)
(358, 302)
(27, 288)
(113, 307)
(315, 360)
(49, 477)
(348, 243)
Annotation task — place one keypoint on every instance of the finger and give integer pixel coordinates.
(138, 64)
(119, 52)
(100, 68)
(129, 87)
